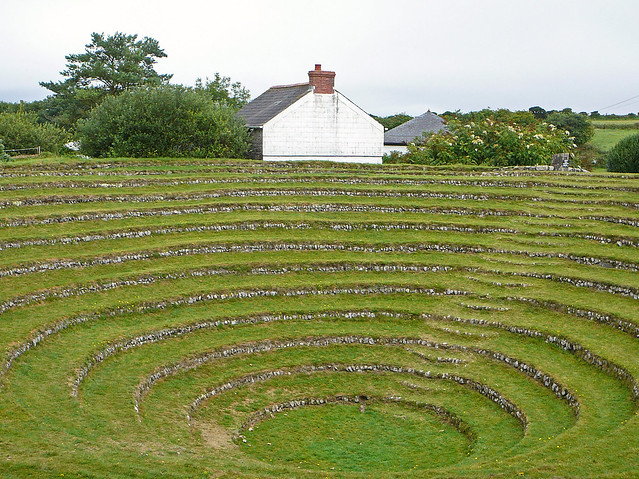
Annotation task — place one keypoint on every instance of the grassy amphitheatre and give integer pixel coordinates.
(240, 319)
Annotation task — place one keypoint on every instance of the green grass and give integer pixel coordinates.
(443, 347)
(609, 132)
(631, 123)
(605, 139)
(383, 432)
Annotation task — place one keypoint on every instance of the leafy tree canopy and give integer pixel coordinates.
(221, 89)
(165, 121)
(624, 156)
(392, 121)
(538, 111)
(112, 64)
(21, 130)
(109, 65)
(521, 118)
(578, 125)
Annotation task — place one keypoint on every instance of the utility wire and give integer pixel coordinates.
(631, 98)
(631, 103)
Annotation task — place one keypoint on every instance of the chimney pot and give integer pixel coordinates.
(322, 81)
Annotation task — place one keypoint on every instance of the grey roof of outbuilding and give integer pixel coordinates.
(272, 102)
(407, 132)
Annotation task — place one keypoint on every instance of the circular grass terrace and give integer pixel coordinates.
(195, 318)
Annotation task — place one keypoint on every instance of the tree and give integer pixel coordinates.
(392, 121)
(21, 130)
(624, 156)
(578, 125)
(37, 107)
(221, 89)
(166, 121)
(538, 111)
(112, 64)
(522, 118)
(109, 65)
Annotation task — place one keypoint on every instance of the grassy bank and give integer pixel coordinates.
(200, 318)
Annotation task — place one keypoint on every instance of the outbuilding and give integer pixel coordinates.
(400, 136)
(312, 121)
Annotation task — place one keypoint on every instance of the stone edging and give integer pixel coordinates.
(214, 248)
(445, 415)
(51, 329)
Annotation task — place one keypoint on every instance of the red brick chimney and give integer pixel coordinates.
(321, 80)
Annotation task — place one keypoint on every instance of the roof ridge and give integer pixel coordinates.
(272, 102)
(291, 85)
(415, 128)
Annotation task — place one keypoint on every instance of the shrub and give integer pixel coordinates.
(169, 120)
(393, 121)
(522, 118)
(589, 156)
(489, 141)
(394, 157)
(624, 156)
(578, 125)
(3, 155)
(21, 130)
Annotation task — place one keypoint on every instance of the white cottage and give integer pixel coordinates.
(312, 121)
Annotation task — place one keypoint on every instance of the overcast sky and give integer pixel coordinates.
(390, 56)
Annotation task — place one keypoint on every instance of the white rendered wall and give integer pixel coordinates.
(326, 127)
(388, 149)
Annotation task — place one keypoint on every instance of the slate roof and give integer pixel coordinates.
(273, 101)
(407, 132)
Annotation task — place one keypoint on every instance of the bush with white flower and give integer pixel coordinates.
(494, 140)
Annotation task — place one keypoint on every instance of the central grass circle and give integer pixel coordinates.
(385, 437)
